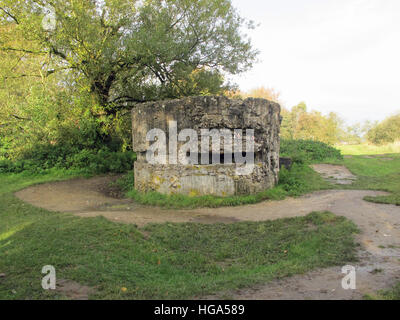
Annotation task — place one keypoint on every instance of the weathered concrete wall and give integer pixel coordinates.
(218, 179)
(208, 113)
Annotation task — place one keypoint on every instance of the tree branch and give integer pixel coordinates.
(10, 15)
(21, 50)
(22, 76)
(20, 118)
(127, 99)
(58, 53)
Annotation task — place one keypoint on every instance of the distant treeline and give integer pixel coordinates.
(301, 124)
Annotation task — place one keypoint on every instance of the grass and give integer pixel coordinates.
(15, 181)
(169, 261)
(301, 179)
(369, 149)
(389, 294)
(375, 173)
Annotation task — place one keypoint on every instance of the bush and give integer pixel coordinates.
(300, 179)
(84, 161)
(290, 180)
(100, 161)
(306, 151)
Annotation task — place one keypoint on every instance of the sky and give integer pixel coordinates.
(335, 55)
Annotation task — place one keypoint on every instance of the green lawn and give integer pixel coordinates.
(161, 261)
(368, 149)
(376, 173)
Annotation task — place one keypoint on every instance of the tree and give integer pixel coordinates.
(298, 123)
(129, 51)
(264, 93)
(260, 92)
(18, 76)
(387, 131)
(290, 121)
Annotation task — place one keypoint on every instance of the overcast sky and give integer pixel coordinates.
(336, 55)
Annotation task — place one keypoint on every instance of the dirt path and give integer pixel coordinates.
(378, 268)
(335, 174)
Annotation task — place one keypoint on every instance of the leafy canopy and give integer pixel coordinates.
(387, 131)
(126, 51)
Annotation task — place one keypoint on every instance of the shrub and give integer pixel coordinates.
(101, 161)
(84, 161)
(305, 151)
(300, 179)
(290, 182)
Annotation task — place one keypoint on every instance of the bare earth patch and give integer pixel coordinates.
(323, 284)
(334, 174)
(73, 290)
(379, 225)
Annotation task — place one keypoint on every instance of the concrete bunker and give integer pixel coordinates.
(216, 172)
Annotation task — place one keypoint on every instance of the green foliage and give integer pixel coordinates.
(291, 180)
(61, 130)
(390, 294)
(47, 118)
(5, 146)
(64, 136)
(301, 179)
(178, 201)
(369, 149)
(356, 133)
(123, 51)
(388, 131)
(84, 161)
(101, 161)
(299, 124)
(69, 90)
(379, 172)
(308, 151)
